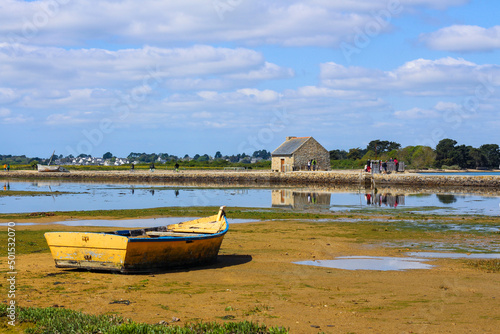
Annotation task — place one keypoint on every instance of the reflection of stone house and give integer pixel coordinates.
(294, 153)
(288, 198)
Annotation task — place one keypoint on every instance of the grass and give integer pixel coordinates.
(27, 242)
(242, 213)
(490, 265)
(58, 320)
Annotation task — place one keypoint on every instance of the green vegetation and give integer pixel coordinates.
(27, 242)
(446, 155)
(490, 265)
(58, 320)
(33, 193)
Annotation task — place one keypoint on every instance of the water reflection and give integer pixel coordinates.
(446, 199)
(299, 199)
(115, 196)
(384, 199)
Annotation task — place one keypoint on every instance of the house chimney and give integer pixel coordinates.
(292, 137)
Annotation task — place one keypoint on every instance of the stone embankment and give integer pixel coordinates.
(267, 178)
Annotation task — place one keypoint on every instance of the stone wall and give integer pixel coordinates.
(312, 150)
(266, 178)
(276, 163)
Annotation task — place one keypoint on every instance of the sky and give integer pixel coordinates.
(236, 76)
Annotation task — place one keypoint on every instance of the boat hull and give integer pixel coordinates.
(142, 253)
(51, 168)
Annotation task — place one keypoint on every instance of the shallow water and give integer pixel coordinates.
(129, 223)
(371, 263)
(109, 196)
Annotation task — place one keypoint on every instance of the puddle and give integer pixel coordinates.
(131, 223)
(437, 255)
(371, 263)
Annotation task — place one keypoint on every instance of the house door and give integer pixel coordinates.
(283, 165)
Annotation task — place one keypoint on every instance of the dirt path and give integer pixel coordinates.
(255, 279)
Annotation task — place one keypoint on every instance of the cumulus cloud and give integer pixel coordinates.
(281, 22)
(421, 77)
(463, 38)
(415, 113)
(145, 68)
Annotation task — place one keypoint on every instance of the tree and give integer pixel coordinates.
(218, 155)
(354, 153)
(423, 156)
(263, 154)
(107, 155)
(491, 153)
(338, 155)
(444, 152)
(477, 158)
(203, 158)
(382, 146)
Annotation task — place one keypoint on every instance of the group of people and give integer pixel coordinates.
(312, 164)
(6, 167)
(381, 165)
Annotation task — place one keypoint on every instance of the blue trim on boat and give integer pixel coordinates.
(169, 238)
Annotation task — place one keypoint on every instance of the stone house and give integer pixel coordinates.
(294, 153)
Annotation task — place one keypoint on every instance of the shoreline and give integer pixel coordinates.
(267, 178)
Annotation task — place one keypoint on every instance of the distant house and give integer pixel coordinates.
(295, 152)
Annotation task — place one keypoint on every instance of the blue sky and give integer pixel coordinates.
(201, 76)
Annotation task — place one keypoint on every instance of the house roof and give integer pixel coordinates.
(290, 146)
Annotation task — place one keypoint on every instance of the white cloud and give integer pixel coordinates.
(7, 95)
(421, 77)
(17, 119)
(415, 113)
(281, 22)
(142, 69)
(4, 112)
(463, 38)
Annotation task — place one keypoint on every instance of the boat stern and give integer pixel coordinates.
(95, 251)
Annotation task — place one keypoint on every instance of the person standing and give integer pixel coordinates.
(314, 164)
(176, 167)
(309, 164)
(8, 167)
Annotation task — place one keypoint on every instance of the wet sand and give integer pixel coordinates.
(255, 279)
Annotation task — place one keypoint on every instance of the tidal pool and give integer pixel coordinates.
(370, 263)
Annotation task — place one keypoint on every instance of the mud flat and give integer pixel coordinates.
(267, 178)
(256, 278)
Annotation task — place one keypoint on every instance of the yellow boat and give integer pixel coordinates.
(143, 250)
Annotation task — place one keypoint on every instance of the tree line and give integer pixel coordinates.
(446, 155)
